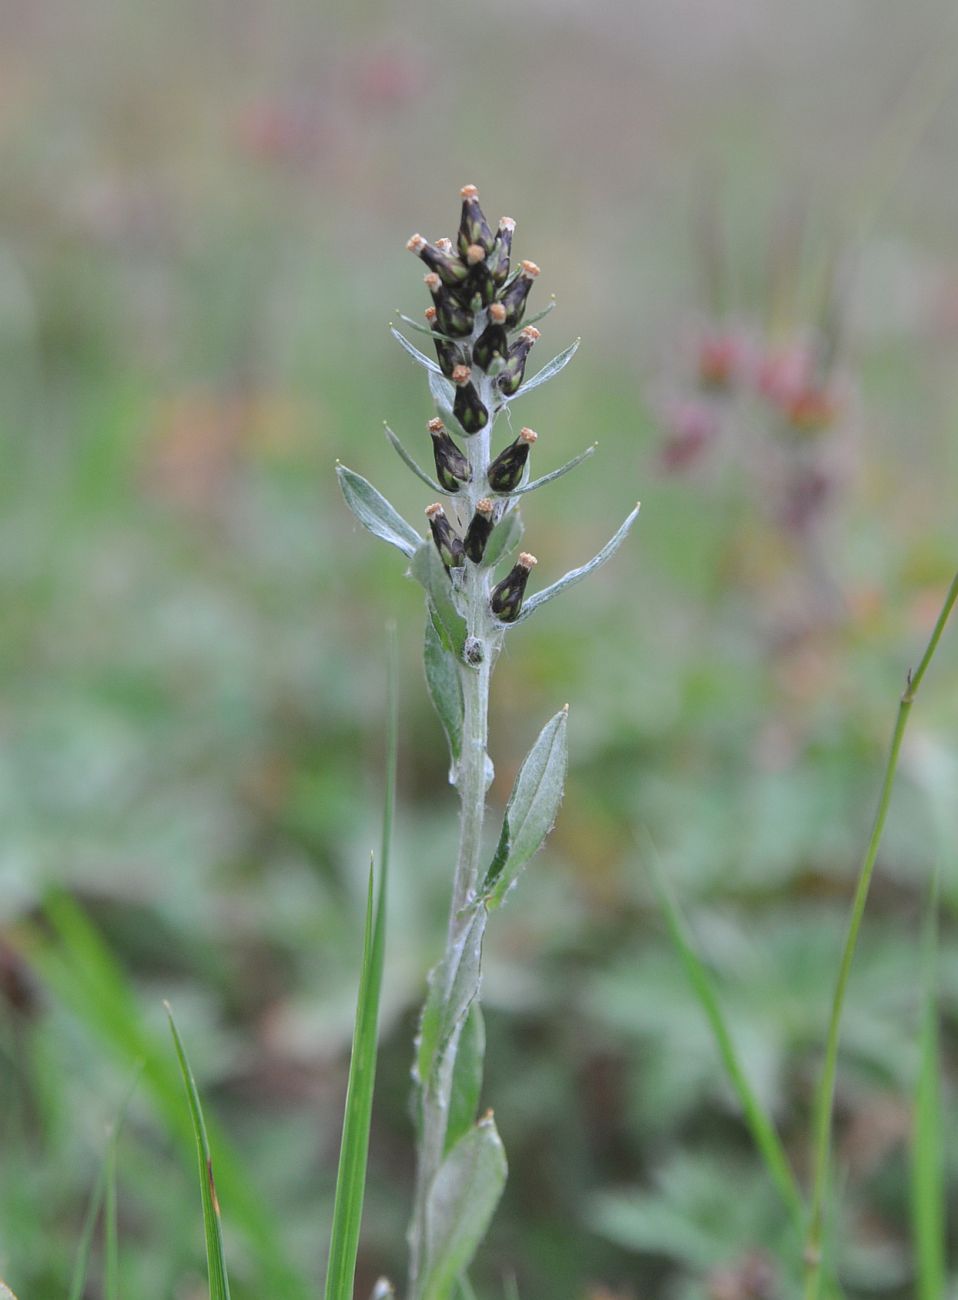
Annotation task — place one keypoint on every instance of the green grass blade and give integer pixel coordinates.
(354, 1148)
(111, 1243)
(213, 1228)
(94, 1205)
(927, 1165)
(760, 1125)
(79, 969)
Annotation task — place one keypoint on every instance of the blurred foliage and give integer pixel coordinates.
(201, 230)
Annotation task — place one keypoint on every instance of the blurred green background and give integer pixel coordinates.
(202, 220)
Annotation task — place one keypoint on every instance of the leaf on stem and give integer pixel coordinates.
(453, 986)
(531, 811)
(414, 351)
(462, 1200)
(407, 460)
(428, 570)
(549, 370)
(576, 575)
(556, 473)
(504, 539)
(375, 513)
(215, 1258)
(445, 691)
(467, 1077)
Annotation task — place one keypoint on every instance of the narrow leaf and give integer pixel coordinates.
(461, 1203)
(467, 1077)
(111, 1241)
(505, 537)
(84, 1246)
(556, 473)
(414, 352)
(444, 396)
(549, 370)
(405, 457)
(453, 987)
(424, 329)
(215, 1259)
(428, 569)
(576, 575)
(531, 810)
(760, 1124)
(927, 1164)
(375, 513)
(354, 1148)
(540, 315)
(445, 691)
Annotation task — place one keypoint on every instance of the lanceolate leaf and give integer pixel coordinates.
(405, 457)
(375, 513)
(549, 370)
(505, 537)
(414, 352)
(462, 1200)
(556, 473)
(531, 810)
(453, 986)
(576, 575)
(445, 691)
(467, 1077)
(215, 1258)
(429, 570)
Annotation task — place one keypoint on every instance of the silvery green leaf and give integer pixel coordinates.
(556, 473)
(444, 395)
(414, 352)
(423, 329)
(576, 575)
(462, 1200)
(467, 1077)
(453, 987)
(405, 457)
(531, 810)
(375, 513)
(445, 691)
(534, 320)
(429, 570)
(549, 370)
(505, 537)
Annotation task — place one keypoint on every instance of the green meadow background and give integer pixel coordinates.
(203, 210)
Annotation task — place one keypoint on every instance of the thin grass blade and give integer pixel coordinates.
(351, 1174)
(212, 1226)
(927, 1164)
(760, 1125)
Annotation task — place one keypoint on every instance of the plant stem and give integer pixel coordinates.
(825, 1096)
(466, 923)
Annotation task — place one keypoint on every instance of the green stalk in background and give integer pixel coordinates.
(354, 1148)
(475, 323)
(825, 1095)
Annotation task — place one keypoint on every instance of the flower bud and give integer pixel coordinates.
(480, 526)
(493, 341)
(448, 267)
(515, 294)
(515, 367)
(451, 317)
(506, 600)
(452, 468)
(448, 544)
(505, 472)
(473, 228)
(499, 257)
(467, 408)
